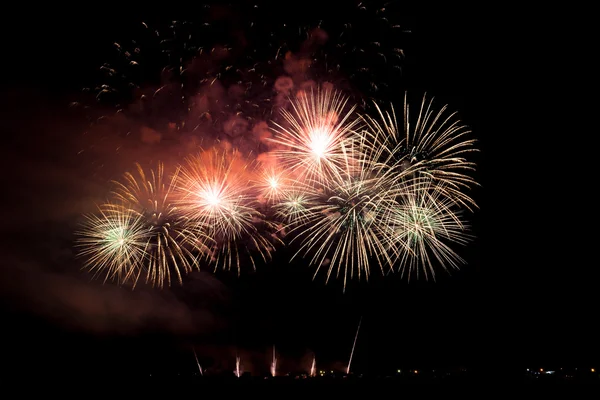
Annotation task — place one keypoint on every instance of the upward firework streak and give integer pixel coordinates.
(274, 364)
(313, 367)
(238, 367)
(353, 346)
(352, 196)
(198, 363)
(171, 243)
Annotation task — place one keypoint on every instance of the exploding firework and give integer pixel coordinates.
(425, 222)
(232, 53)
(312, 143)
(435, 146)
(232, 66)
(173, 247)
(347, 228)
(274, 364)
(238, 367)
(114, 242)
(200, 370)
(294, 207)
(216, 194)
(272, 185)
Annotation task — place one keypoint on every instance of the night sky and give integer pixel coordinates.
(526, 296)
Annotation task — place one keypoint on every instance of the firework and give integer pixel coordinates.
(272, 185)
(352, 191)
(353, 346)
(435, 146)
(311, 144)
(362, 51)
(172, 244)
(238, 367)
(423, 225)
(216, 194)
(274, 364)
(347, 229)
(114, 242)
(313, 367)
(294, 207)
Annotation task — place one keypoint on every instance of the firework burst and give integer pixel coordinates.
(436, 146)
(217, 195)
(423, 225)
(174, 247)
(114, 242)
(352, 190)
(272, 185)
(311, 145)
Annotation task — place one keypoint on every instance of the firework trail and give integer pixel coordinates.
(172, 243)
(313, 367)
(232, 66)
(198, 363)
(272, 185)
(114, 242)
(238, 367)
(353, 346)
(274, 364)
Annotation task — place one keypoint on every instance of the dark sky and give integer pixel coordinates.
(524, 297)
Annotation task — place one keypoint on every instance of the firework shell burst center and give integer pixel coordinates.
(347, 187)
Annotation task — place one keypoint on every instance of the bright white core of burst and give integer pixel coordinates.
(273, 183)
(319, 141)
(211, 196)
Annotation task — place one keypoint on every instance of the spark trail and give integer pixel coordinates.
(198, 363)
(353, 346)
(274, 364)
(238, 370)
